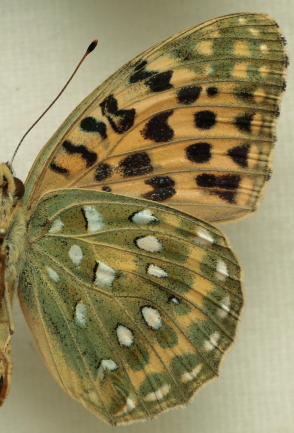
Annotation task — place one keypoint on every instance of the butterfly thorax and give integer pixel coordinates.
(12, 225)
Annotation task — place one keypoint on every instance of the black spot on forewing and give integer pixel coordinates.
(141, 73)
(106, 189)
(89, 156)
(120, 120)
(243, 123)
(157, 129)
(160, 82)
(239, 155)
(205, 119)
(163, 188)
(109, 105)
(199, 152)
(90, 124)
(58, 169)
(212, 91)
(206, 180)
(229, 182)
(135, 165)
(246, 96)
(103, 171)
(188, 95)
(227, 196)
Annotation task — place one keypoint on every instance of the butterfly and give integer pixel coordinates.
(133, 297)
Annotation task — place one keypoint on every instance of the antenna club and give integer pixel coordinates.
(92, 46)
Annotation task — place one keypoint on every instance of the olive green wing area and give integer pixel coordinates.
(190, 122)
(132, 303)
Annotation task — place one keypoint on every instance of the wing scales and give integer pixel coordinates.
(216, 85)
(138, 302)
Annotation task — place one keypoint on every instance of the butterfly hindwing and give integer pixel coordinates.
(189, 123)
(132, 303)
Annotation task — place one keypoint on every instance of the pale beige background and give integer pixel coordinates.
(41, 42)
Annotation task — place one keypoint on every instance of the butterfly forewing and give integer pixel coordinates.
(190, 122)
(132, 304)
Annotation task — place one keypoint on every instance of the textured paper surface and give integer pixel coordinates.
(41, 42)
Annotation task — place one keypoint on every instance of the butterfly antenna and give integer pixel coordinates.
(90, 48)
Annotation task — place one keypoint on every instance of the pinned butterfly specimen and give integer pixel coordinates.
(133, 303)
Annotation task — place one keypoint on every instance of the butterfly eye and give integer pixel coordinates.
(19, 187)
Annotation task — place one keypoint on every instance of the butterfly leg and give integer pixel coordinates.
(6, 331)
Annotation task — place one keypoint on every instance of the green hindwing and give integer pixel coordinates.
(132, 303)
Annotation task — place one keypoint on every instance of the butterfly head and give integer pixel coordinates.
(11, 188)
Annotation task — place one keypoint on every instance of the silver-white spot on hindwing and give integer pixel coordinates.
(225, 308)
(52, 274)
(128, 407)
(95, 221)
(152, 317)
(156, 271)
(204, 237)
(81, 315)
(125, 336)
(174, 300)
(104, 275)
(149, 243)
(56, 226)
(212, 342)
(144, 217)
(159, 394)
(221, 270)
(75, 254)
(188, 376)
(106, 364)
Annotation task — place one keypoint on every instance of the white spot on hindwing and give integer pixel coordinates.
(106, 364)
(56, 226)
(255, 32)
(225, 308)
(125, 336)
(104, 275)
(186, 377)
(159, 394)
(81, 315)
(264, 48)
(128, 407)
(221, 270)
(152, 317)
(52, 274)
(156, 271)
(204, 237)
(149, 243)
(174, 301)
(75, 254)
(212, 342)
(144, 217)
(95, 221)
